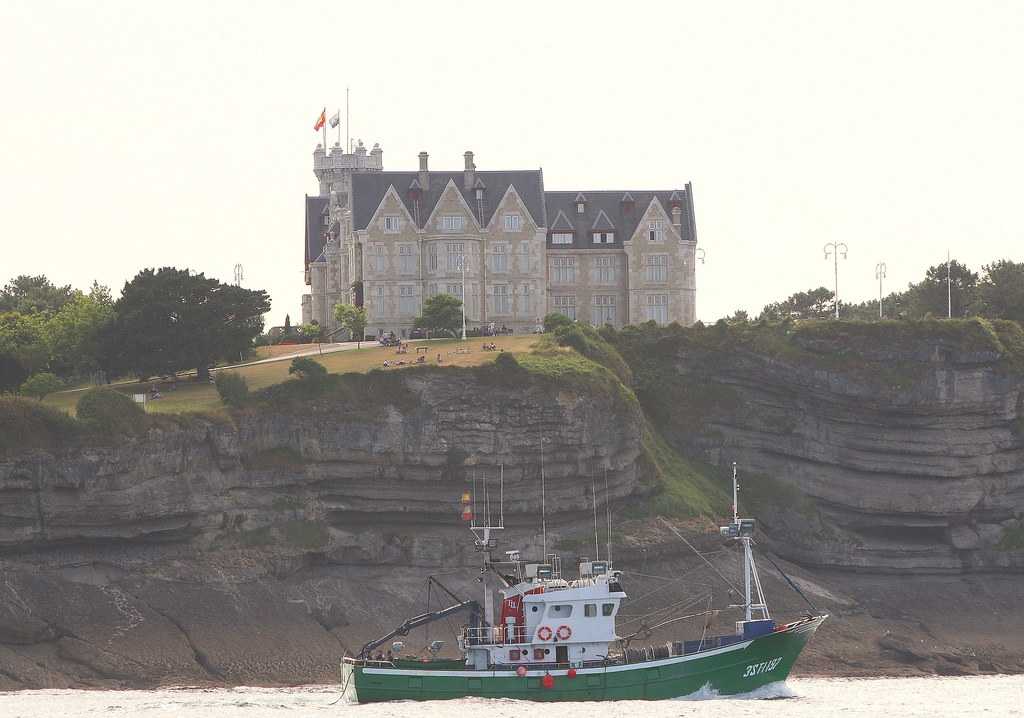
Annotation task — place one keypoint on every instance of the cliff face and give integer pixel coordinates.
(253, 551)
(904, 445)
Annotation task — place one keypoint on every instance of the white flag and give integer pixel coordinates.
(335, 119)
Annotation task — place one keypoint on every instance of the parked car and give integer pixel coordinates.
(417, 333)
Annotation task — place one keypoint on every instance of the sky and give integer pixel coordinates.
(138, 134)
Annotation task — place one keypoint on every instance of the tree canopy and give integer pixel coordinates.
(170, 319)
(442, 313)
(812, 304)
(33, 295)
(354, 319)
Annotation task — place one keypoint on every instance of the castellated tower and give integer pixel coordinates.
(328, 222)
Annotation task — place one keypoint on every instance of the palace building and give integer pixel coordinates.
(510, 250)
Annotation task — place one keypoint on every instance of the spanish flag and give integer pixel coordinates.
(321, 120)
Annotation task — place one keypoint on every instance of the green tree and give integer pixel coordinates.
(812, 304)
(740, 316)
(442, 314)
(555, 321)
(1000, 293)
(308, 370)
(232, 387)
(73, 334)
(33, 295)
(170, 319)
(41, 384)
(311, 332)
(22, 348)
(929, 296)
(352, 318)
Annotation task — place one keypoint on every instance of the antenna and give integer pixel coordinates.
(607, 515)
(735, 491)
(593, 494)
(543, 507)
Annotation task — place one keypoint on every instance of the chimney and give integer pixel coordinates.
(469, 176)
(424, 172)
(677, 218)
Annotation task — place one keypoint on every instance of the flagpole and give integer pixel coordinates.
(348, 128)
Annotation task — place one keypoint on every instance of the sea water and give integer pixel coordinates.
(811, 697)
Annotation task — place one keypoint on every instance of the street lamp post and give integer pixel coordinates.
(834, 248)
(462, 267)
(699, 254)
(880, 275)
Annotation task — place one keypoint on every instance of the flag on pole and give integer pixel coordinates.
(320, 120)
(335, 119)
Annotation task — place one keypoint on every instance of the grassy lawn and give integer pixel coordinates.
(193, 396)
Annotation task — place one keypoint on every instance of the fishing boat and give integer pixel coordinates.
(555, 638)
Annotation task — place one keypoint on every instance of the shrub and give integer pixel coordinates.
(232, 387)
(41, 384)
(308, 370)
(28, 424)
(111, 411)
(587, 341)
(555, 321)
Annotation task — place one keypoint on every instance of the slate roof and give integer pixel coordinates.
(316, 207)
(369, 188)
(611, 204)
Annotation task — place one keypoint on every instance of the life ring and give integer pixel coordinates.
(544, 633)
(564, 633)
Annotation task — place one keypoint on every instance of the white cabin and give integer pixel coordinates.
(549, 620)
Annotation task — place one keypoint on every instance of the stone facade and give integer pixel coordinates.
(393, 239)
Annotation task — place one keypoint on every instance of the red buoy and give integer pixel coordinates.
(571, 673)
(548, 681)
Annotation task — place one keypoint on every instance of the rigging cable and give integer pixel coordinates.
(672, 528)
(790, 582)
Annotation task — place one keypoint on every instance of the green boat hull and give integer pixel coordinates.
(735, 669)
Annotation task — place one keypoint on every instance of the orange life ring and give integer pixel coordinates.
(544, 633)
(564, 633)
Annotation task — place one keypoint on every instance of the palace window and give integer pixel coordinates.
(656, 268)
(603, 270)
(406, 259)
(456, 252)
(561, 237)
(379, 261)
(656, 231)
(432, 257)
(499, 258)
(580, 208)
(406, 301)
(657, 308)
(452, 222)
(565, 305)
(525, 302)
(603, 311)
(380, 300)
(563, 270)
(513, 223)
(502, 305)
(604, 237)
(392, 224)
(455, 290)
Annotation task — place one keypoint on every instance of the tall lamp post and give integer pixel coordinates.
(833, 249)
(461, 264)
(880, 275)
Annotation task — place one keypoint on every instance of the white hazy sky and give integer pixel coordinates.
(141, 134)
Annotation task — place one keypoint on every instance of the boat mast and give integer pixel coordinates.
(742, 530)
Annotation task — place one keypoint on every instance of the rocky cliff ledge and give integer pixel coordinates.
(892, 446)
(259, 548)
